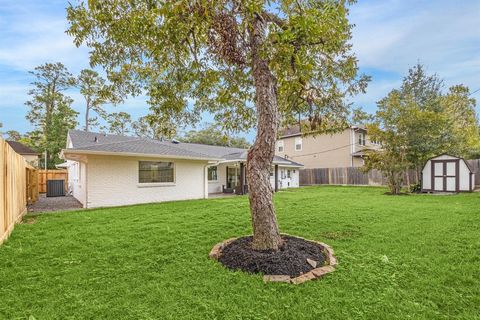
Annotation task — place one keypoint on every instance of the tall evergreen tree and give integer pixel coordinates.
(96, 93)
(50, 110)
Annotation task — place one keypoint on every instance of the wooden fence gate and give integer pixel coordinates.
(51, 174)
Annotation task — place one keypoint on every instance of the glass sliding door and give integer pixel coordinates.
(233, 177)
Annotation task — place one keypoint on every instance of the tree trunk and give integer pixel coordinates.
(87, 115)
(266, 235)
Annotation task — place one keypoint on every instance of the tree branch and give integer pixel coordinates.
(273, 18)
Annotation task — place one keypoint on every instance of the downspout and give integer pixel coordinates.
(352, 145)
(86, 183)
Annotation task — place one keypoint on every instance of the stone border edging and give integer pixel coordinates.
(313, 274)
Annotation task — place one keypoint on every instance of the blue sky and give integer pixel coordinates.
(389, 37)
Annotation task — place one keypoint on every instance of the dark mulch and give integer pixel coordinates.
(290, 260)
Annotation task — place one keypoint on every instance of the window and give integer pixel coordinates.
(153, 172)
(361, 138)
(282, 174)
(280, 146)
(288, 174)
(212, 174)
(298, 144)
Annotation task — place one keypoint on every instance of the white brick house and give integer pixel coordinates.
(109, 170)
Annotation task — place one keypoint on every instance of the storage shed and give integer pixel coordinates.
(446, 173)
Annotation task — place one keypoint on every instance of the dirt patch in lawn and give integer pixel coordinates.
(29, 220)
(290, 260)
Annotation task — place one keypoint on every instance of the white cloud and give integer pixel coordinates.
(31, 37)
(393, 35)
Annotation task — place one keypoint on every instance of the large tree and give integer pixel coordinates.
(212, 135)
(119, 123)
(13, 135)
(460, 110)
(96, 93)
(249, 63)
(150, 126)
(50, 109)
(419, 121)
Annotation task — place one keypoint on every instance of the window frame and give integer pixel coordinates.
(298, 142)
(280, 144)
(216, 174)
(362, 139)
(159, 183)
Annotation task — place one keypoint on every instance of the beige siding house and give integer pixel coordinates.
(110, 170)
(343, 149)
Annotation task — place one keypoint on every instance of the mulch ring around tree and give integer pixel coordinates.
(297, 261)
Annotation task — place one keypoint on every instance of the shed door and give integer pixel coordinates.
(444, 175)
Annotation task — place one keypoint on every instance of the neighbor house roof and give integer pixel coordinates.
(20, 148)
(296, 130)
(98, 143)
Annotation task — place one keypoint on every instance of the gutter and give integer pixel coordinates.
(290, 135)
(280, 163)
(65, 152)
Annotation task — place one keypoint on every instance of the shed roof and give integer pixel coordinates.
(446, 154)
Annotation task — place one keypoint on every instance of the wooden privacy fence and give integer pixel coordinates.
(17, 188)
(346, 176)
(354, 176)
(475, 165)
(45, 175)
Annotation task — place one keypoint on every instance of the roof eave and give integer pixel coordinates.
(133, 154)
(290, 135)
(282, 163)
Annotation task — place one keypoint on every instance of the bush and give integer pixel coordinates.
(415, 188)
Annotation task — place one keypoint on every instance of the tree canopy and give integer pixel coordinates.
(419, 121)
(13, 135)
(50, 110)
(194, 56)
(96, 93)
(212, 135)
(119, 123)
(248, 63)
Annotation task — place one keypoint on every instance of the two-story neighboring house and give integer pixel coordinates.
(343, 149)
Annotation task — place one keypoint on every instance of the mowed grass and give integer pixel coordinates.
(403, 257)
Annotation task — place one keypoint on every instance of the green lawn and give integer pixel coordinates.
(415, 257)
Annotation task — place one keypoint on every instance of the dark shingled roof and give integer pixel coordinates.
(290, 131)
(20, 148)
(295, 130)
(85, 141)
